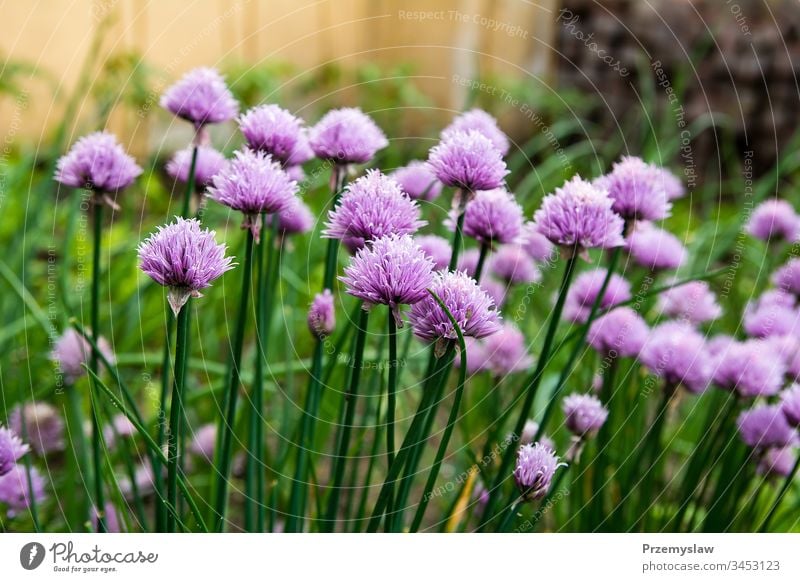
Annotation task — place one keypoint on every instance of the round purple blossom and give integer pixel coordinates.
(579, 215)
(495, 289)
(472, 308)
(209, 163)
(693, 302)
(480, 121)
(777, 462)
(752, 368)
(676, 352)
(204, 442)
(120, 426)
(787, 278)
(765, 426)
(11, 449)
(655, 248)
(418, 181)
(788, 348)
(346, 136)
(506, 351)
(773, 314)
(619, 333)
(468, 160)
(774, 220)
(296, 218)
(372, 207)
(790, 404)
(322, 315)
(492, 216)
(584, 291)
(637, 189)
(272, 130)
(201, 97)
(72, 351)
(394, 271)
(584, 413)
(184, 258)
(97, 162)
(513, 265)
(253, 183)
(15, 492)
(536, 244)
(671, 184)
(536, 466)
(44, 427)
(437, 248)
(302, 151)
(468, 261)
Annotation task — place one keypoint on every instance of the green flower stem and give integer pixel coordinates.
(787, 483)
(225, 439)
(531, 390)
(77, 437)
(332, 255)
(391, 393)
(411, 439)
(451, 420)
(458, 234)
(97, 436)
(187, 197)
(608, 395)
(343, 440)
(484, 252)
(176, 410)
(365, 488)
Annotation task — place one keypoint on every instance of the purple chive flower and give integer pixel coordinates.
(506, 351)
(579, 215)
(322, 315)
(637, 189)
(788, 348)
(676, 352)
(72, 351)
(765, 426)
(11, 449)
(372, 207)
(209, 163)
(184, 258)
(774, 220)
(253, 183)
(296, 218)
(394, 271)
(655, 248)
(671, 184)
(272, 130)
(787, 278)
(584, 291)
(777, 462)
(476, 356)
(98, 163)
(204, 441)
(790, 405)
(120, 426)
(418, 181)
(513, 265)
(693, 302)
(145, 482)
(773, 314)
(751, 368)
(470, 306)
(15, 492)
(201, 97)
(468, 160)
(619, 333)
(346, 136)
(536, 244)
(496, 290)
(110, 518)
(480, 121)
(44, 427)
(491, 217)
(437, 248)
(584, 413)
(529, 434)
(536, 466)
(468, 261)
(302, 151)
(718, 344)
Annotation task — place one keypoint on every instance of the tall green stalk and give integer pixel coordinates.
(176, 410)
(80, 460)
(391, 392)
(97, 447)
(187, 196)
(484, 252)
(459, 232)
(531, 390)
(225, 440)
(343, 440)
(787, 483)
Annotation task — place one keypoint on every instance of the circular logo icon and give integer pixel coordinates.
(31, 555)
